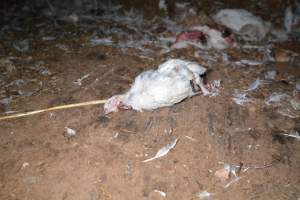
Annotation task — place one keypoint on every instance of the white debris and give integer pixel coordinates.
(183, 45)
(233, 181)
(182, 5)
(295, 103)
(45, 72)
(73, 18)
(163, 151)
(6, 101)
(24, 165)
(288, 113)
(251, 27)
(243, 97)
(225, 58)
(22, 46)
(214, 88)
(293, 134)
(204, 195)
(162, 5)
(276, 97)
(248, 62)
(240, 98)
(79, 81)
(71, 132)
(254, 85)
(48, 38)
(163, 194)
(62, 47)
(190, 138)
(270, 74)
(8, 65)
(102, 41)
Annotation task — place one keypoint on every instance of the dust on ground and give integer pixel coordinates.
(40, 160)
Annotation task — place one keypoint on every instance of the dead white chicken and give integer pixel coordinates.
(205, 37)
(292, 18)
(171, 83)
(244, 23)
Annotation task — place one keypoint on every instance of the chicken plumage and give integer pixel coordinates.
(173, 81)
(205, 37)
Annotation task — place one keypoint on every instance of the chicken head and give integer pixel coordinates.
(115, 103)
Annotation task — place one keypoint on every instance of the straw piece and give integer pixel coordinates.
(53, 109)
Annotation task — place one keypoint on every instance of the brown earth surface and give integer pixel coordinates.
(103, 161)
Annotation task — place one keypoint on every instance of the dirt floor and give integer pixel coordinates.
(39, 160)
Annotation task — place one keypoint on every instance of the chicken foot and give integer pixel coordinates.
(197, 85)
(203, 88)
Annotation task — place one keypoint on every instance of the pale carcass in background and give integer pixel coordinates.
(244, 23)
(205, 37)
(292, 20)
(171, 83)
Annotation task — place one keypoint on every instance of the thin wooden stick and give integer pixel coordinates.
(53, 109)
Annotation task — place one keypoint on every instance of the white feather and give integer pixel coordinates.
(163, 151)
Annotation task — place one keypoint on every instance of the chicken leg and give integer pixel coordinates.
(202, 87)
(199, 85)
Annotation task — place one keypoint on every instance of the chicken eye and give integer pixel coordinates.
(226, 33)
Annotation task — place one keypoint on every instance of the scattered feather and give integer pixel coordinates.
(102, 41)
(204, 195)
(233, 181)
(288, 113)
(293, 135)
(163, 151)
(79, 81)
(6, 101)
(214, 88)
(22, 46)
(190, 138)
(270, 74)
(276, 97)
(71, 132)
(162, 5)
(163, 194)
(24, 165)
(254, 85)
(49, 38)
(240, 98)
(62, 47)
(295, 103)
(248, 62)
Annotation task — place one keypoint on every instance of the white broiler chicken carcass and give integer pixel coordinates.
(173, 81)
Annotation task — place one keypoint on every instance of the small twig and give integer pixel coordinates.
(233, 181)
(53, 109)
(253, 167)
(190, 138)
(128, 131)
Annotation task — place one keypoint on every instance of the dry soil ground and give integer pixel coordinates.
(40, 161)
